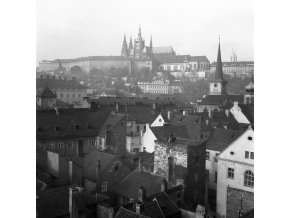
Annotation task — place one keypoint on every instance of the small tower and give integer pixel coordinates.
(249, 96)
(218, 85)
(124, 51)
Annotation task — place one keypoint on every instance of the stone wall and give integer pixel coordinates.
(161, 154)
(234, 201)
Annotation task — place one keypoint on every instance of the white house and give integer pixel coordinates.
(235, 180)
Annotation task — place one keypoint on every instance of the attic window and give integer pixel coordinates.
(160, 120)
(232, 153)
(250, 138)
(56, 128)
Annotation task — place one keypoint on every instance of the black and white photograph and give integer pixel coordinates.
(144, 109)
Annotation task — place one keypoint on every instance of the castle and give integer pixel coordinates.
(140, 50)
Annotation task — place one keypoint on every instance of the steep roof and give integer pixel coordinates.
(126, 213)
(222, 138)
(91, 161)
(168, 207)
(70, 123)
(58, 83)
(129, 186)
(198, 59)
(55, 202)
(163, 50)
(219, 69)
(111, 121)
(47, 93)
(220, 99)
(248, 111)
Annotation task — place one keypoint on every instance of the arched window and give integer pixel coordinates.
(249, 178)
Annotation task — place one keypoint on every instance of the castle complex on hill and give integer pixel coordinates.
(134, 57)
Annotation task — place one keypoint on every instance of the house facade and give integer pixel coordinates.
(235, 181)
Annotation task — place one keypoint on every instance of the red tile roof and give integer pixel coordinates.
(58, 83)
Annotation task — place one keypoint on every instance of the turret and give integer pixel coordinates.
(124, 51)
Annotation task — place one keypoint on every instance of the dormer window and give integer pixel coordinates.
(250, 138)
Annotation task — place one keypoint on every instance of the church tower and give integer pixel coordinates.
(124, 51)
(218, 86)
(139, 45)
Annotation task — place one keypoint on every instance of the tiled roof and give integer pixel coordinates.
(198, 59)
(164, 132)
(58, 83)
(130, 185)
(69, 123)
(162, 50)
(222, 138)
(168, 207)
(219, 99)
(47, 93)
(55, 202)
(125, 213)
(248, 111)
(150, 209)
(172, 58)
(112, 120)
(91, 161)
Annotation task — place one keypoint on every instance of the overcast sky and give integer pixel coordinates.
(71, 29)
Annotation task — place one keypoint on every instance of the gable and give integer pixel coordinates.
(159, 121)
(238, 115)
(236, 150)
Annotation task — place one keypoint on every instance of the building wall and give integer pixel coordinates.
(161, 154)
(234, 197)
(212, 167)
(159, 121)
(202, 108)
(148, 140)
(133, 143)
(234, 157)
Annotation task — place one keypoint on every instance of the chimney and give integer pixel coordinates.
(227, 112)
(117, 107)
(184, 113)
(170, 169)
(73, 202)
(56, 111)
(139, 208)
(164, 185)
(139, 165)
(210, 114)
(142, 194)
(207, 122)
(236, 103)
(98, 176)
(70, 172)
(154, 106)
(169, 115)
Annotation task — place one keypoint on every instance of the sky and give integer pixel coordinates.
(72, 29)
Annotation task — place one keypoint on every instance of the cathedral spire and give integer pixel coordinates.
(219, 69)
(151, 42)
(124, 47)
(139, 34)
(131, 43)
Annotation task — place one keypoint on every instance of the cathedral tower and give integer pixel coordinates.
(124, 51)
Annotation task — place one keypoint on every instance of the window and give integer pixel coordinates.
(250, 138)
(207, 155)
(67, 95)
(92, 142)
(69, 144)
(231, 173)
(60, 144)
(51, 145)
(138, 128)
(249, 155)
(104, 186)
(73, 95)
(215, 158)
(144, 128)
(215, 177)
(116, 167)
(252, 155)
(215, 85)
(249, 179)
(207, 175)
